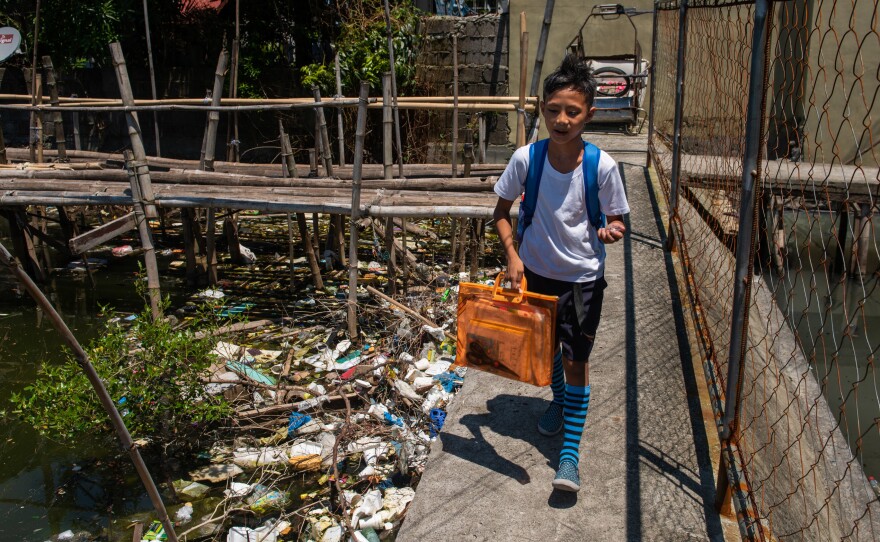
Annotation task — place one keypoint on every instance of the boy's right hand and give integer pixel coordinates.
(515, 272)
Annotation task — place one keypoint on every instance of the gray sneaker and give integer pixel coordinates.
(567, 478)
(550, 423)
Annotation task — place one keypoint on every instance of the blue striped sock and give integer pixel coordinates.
(557, 384)
(577, 400)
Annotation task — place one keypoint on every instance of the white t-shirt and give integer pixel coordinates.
(561, 243)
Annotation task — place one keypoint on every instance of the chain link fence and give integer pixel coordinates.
(789, 323)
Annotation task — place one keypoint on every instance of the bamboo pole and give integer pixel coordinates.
(291, 251)
(24, 243)
(387, 127)
(134, 132)
(155, 294)
(35, 88)
(211, 246)
(340, 133)
(152, 75)
(355, 208)
(389, 247)
(396, 106)
(57, 121)
(523, 68)
(326, 156)
(454, 105)
(107, 402)
(214, 116)
(374, 104)
(305, 236)
(481, 131)
(468, 150)
(473, 250)
(232, 154)
(71, 101)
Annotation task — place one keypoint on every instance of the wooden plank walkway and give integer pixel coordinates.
(829, 182)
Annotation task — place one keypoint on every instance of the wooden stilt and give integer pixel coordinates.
(779, 236)
(38, 120)
(211, 246)
(861, 242)
(405, 260)
(468, 151)
(355, 209)
(306, 240)
(326, 157)
(473, 250)
(3, 159)
(462, 244)
(23, 244)
(57, 120)
(481, 135)
(230, 230)
(340, 239)
(389, 247)
(316, 234)
(155, 294)
(292, 251)
(453, 238)
(481, 246)
(210, 143)
(189, 246)
(232, 131)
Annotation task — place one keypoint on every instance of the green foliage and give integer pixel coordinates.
(151, 371)
(362, 44)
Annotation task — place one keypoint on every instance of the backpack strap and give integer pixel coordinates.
(537, 156)
(590, 162)
(590, 165)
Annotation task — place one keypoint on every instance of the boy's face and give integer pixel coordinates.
(565, 112)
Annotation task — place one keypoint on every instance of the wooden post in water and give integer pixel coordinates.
(57, 120)
(155, 294)
(356, 174)
(190, 245)
(327, 158)
(214, 116)
(23, 243)
(387, 127)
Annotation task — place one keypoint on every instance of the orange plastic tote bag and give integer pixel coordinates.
(506, 332)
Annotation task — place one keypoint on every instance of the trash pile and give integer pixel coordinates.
(329, 437)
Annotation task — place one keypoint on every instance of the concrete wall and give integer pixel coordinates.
(482, 60)
(600, 37)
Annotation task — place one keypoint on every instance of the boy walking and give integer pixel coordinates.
(561, 249)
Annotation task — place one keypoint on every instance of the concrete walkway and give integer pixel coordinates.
(646, 473)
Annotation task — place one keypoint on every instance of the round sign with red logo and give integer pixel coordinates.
(10, 39)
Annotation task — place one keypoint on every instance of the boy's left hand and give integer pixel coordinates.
(612, 233)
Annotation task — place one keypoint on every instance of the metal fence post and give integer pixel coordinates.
(652, 78)
(745, 242)
(676, 139)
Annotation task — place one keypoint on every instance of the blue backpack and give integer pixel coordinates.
(590, 164)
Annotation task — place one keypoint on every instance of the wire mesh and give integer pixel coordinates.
(807, 437)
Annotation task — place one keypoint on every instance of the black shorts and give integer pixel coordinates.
(575, 338)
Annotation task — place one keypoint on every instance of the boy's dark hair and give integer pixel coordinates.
(574, 73)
